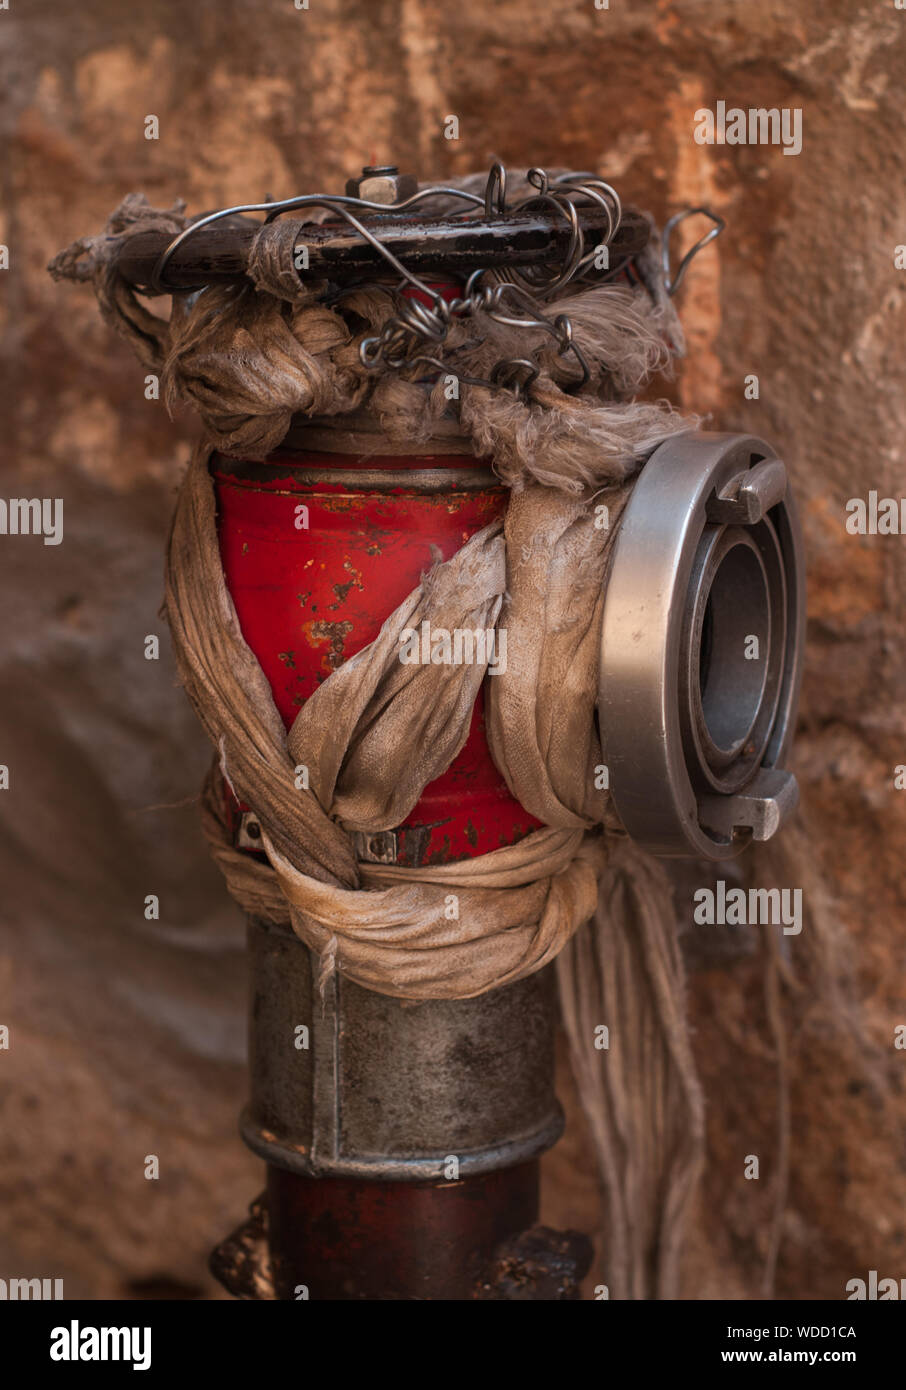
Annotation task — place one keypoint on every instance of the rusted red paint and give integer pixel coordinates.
(309, 597)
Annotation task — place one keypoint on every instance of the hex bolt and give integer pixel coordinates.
(382, 183)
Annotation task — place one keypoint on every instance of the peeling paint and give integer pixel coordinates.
(354, 582)
(321, 632)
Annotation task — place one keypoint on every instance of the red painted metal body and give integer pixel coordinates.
(315, 565)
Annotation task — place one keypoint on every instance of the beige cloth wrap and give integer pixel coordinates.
(378, 730)
(248, 357)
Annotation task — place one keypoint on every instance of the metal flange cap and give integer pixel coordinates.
(702, 648)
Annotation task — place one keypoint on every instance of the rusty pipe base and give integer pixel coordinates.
(342, 1238)
(425, 1254)
(347, 1239)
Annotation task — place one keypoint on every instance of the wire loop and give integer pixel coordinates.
(423, 317)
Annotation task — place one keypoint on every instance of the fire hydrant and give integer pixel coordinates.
(402, 1135)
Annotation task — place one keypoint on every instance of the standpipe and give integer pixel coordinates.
(439, 407)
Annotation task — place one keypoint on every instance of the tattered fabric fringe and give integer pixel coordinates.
(250, 356)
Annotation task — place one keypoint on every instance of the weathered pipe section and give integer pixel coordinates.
(402, 1140)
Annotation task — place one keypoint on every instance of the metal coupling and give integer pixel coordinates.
(702, 648)
(379, 1089)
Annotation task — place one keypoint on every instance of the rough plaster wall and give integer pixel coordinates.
(128, 1036)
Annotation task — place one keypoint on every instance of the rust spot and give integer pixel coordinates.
(471, 834)
(355, 582)
(456, 502)
(441, 853)
(245, 547)
(303, 598)
(378, 537)
(343, 502)
(288, 659)
(334, 634)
